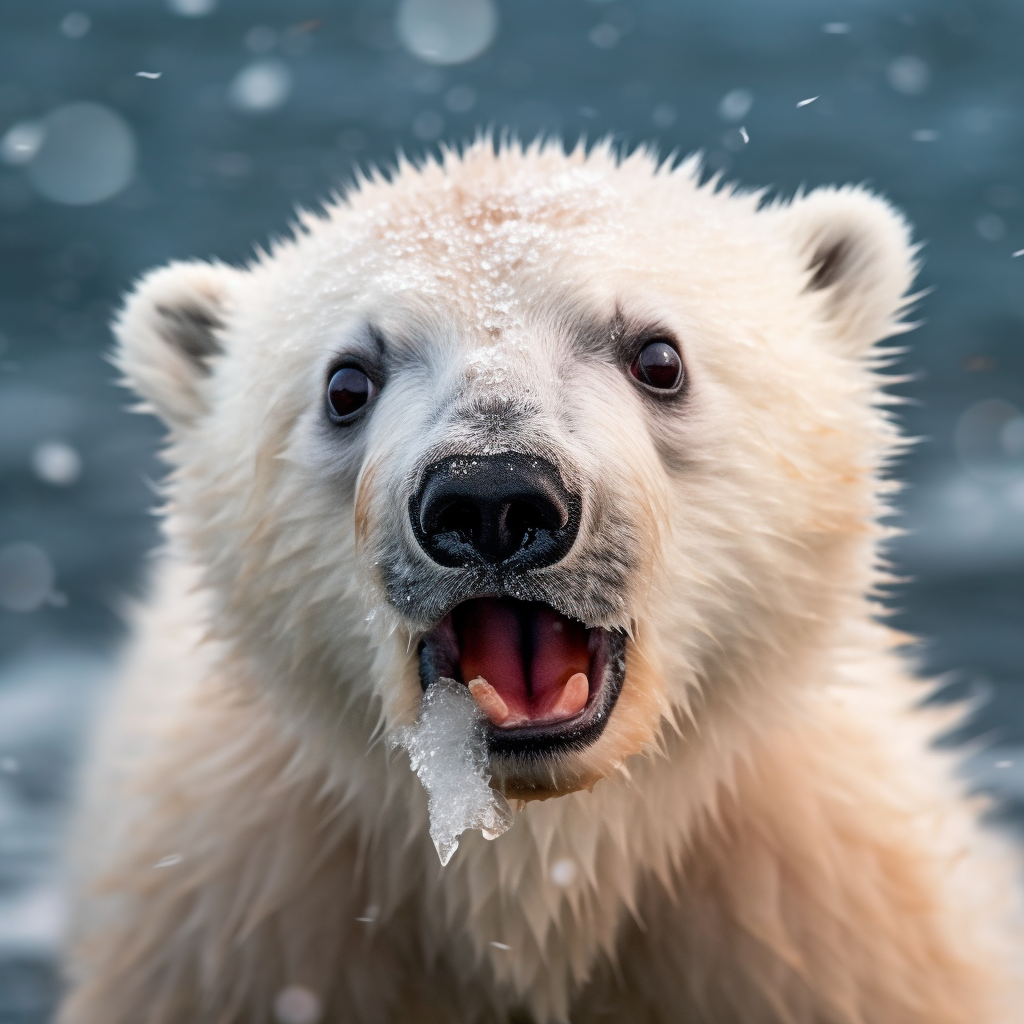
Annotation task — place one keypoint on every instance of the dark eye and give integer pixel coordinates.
(348, 391)
(658, 365)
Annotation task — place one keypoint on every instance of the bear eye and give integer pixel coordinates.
(658, 365)
(348, 390)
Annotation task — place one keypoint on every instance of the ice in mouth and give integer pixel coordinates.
(447, 748)
(524, 663)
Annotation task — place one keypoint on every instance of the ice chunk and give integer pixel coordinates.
(448, 750)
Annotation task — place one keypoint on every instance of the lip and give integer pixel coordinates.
(445, 648)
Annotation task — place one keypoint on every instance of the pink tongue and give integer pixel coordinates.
(489, 641)
(493, 638)
(559, 651)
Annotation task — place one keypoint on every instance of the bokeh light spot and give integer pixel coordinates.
(735, 104)
(1015, 495)
(1006, 197)
(909, 75)
(447, 31)
(970, 511)
(429, 81)
(26, 577)
(664, 115)
(604, 36)
(297, 1004)
(460, 99)
(427, 125)
(75, 25)
(1012, 437)
(260, 39)
(21, 142)
(989, 440)
(990, 226)
(87, 155)
(352, 140)
(261, 86)
(57, 463)
(192, 8)
(563, 872)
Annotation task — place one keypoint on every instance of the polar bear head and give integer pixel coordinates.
(574, 428)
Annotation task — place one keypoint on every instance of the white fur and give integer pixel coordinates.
(762, 833)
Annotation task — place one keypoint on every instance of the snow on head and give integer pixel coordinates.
(448, 750)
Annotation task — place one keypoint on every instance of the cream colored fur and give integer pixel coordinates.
(762, 834)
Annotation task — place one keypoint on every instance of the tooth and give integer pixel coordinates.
(489, 700)
(574, 697)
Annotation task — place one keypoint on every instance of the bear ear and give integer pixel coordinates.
(168, 334)
(858, 255)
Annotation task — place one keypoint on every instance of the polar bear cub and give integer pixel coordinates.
(601, 448)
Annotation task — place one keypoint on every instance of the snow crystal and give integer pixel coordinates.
(448, 750)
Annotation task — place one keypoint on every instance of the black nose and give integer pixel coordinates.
(511, 510)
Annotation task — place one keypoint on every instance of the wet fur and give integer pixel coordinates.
(762, 833)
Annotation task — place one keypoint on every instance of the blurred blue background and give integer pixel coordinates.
(136, 131)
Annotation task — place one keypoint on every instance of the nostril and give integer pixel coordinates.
(523, 518)
(459, 517)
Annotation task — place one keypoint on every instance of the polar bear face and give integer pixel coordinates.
(598, 442)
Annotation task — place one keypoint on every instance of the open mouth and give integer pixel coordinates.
(544, 681)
